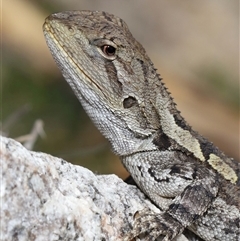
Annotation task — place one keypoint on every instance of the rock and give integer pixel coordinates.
(46, 198)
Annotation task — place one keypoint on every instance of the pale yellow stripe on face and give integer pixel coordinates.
(221, 167)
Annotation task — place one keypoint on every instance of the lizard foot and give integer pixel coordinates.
(152, 225)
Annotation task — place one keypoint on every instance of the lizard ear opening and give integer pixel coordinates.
(129, 102)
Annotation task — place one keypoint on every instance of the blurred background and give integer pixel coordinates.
(193, 44)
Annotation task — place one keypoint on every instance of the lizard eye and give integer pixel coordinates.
(108, 50)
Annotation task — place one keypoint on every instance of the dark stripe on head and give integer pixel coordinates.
(126, 66)
(106, 15)
(143, 66)
(113, 78)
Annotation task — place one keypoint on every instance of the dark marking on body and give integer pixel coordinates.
(199, 191)
(181, 122)
(181, 170)
(152, 174)
(162, 141)
(206, 147)
(175, 169)
(194, 174)
(140, 169)
(180, 209)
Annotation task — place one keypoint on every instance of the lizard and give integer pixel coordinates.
(194, 183)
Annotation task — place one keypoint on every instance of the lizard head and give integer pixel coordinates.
(110, 74)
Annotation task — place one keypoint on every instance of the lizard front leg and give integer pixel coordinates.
(182, 191)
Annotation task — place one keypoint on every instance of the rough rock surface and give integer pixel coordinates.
(46, 198)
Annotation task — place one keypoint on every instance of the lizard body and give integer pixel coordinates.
(195, 184)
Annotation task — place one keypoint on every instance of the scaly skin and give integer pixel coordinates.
(192, 181)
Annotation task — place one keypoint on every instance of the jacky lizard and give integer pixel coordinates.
(192, 181)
